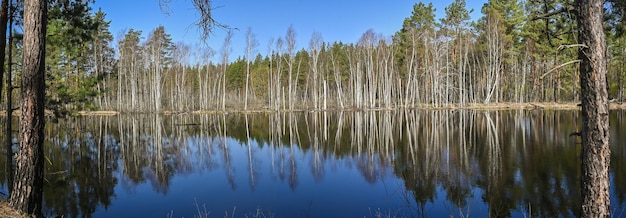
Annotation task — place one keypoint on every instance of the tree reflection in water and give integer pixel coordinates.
(446, 163)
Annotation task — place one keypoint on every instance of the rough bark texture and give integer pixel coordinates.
(595, 109)
(28, 186)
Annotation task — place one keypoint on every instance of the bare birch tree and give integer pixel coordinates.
(225, 54)
(492, 63)
(315, 46)
(251, 44)
(290, 39)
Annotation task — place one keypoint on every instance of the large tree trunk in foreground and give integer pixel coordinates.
(28, 186)
(595, 110)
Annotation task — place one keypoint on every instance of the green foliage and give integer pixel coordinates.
(160, 48)
(426, 57)
(71, 78)
(615, 17)
(456, 14)
(421, 21)
(236, 74)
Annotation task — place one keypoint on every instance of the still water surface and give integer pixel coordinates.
(326, 164)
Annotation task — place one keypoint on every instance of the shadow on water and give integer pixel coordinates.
(418, 163)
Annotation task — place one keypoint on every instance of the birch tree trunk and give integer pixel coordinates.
(225, 54)
(291, 46)
(251, 44)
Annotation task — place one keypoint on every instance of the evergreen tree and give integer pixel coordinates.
(102, 59)
(158, 48)
(71, 28)
(129, 66)
(454, 28)
(419, 24)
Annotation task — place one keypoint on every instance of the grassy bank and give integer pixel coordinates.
(8, 212)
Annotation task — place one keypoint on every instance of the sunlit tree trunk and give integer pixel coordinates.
(595, 110)
(225, 55)
(493, 61)
(279, 95)
(291, 46)
(28, 187)
(315, 45)
(251, 44)
(338, 79)
(620, 74)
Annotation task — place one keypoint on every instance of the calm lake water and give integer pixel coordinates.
(325, 164)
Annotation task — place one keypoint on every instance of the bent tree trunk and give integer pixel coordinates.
(27, 189)
(595, 111)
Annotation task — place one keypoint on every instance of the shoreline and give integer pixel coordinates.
(471, 106)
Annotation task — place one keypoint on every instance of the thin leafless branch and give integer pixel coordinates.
(207, 23)
(165, 6)
(561, 47)
(568, 8)
(557, 67)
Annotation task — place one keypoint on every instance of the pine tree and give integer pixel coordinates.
(28, 184)
(71, 28)
(102, 60)
(130, 64)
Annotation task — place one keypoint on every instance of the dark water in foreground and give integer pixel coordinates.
(351, 164)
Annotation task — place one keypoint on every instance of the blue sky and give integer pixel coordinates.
(336, 20)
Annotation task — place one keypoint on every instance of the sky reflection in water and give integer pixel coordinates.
(351, 164)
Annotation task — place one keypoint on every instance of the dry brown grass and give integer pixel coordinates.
(99, 113)
(8, 212)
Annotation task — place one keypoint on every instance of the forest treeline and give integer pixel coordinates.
(512, 53)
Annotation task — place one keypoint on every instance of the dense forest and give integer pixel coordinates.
(513, 53)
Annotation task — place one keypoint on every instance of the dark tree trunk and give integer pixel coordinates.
(595, 111)
(4, 17)
(9, 126)
(28, 186)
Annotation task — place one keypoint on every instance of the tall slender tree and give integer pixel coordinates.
(9, 106)
(130, 60)
(103, 59)
(159, 49)
(251, 44)
(225, 55)
(456, 20)
(4, 17)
